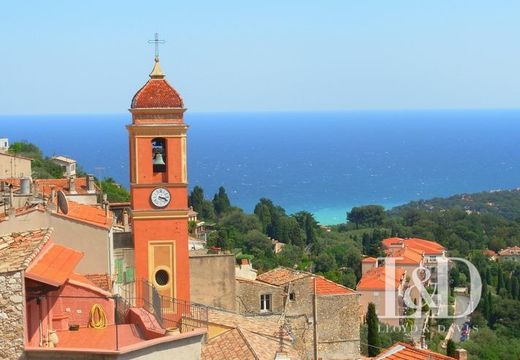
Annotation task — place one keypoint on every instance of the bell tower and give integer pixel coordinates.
(158, 186)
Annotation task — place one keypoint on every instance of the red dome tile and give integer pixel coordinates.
(157, 93)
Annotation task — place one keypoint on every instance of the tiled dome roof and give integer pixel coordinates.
(157, 93)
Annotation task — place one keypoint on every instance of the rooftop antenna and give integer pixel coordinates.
(156, 42)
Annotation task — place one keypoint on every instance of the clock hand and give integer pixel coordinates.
(163, 198)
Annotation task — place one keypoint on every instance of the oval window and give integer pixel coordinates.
(162, 277)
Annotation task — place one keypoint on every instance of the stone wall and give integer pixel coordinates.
(248, 297)
(338, 326)
(11, 316)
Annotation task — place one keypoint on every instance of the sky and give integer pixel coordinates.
(271, 55)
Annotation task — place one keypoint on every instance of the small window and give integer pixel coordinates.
(292, 296)
(265, 302)
(159, 155)
(162, 277)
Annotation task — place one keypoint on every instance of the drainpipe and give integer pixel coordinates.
(315, 322)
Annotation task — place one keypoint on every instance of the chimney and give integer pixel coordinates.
(461, 354)
(25, 186)
(90, 184)
(107, 213)
(72, 184)
(12, 211)
(125, 221)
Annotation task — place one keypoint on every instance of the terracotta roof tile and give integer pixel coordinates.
(54, 265)
(328, 287)
(425, 246)
(229, 345)
(405, 256)
(17, 250)
(100, 280)
(375, 279)
(157, 93)
(264, 325)
(89, 214)
(514, 250)
(282, 275)
(369, 259)
(403, 351)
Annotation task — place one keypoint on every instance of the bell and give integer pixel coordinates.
(158, 159)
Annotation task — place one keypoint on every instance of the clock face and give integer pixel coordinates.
(160, 197)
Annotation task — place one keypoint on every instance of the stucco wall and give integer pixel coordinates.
(13, 167)
(212, 280)
(11, 316)
(91, 240)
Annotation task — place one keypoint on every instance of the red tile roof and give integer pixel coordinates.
(281, 275)
(157, 93)
(100, 280)
(369, 259)
(375, 279)
(88, 214)
(17, 250)
(54, 265)
(405, 256)
(403, 351)
(426, 246)
(328, 287)
(45, 185)
(510, 251)
(229, 345)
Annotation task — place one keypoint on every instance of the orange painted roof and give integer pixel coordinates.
(425, 246)
(375, 279)
(55, 265)
(405, 256)
(369, 259)
(328, 287)
(88, 213)
(393, 241)
(403, 351)
(157, 93)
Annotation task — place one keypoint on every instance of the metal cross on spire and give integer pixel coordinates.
(156, 42)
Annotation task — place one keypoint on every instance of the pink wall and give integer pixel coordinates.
(70, 304)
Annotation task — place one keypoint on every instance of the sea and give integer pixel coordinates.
(322, 162)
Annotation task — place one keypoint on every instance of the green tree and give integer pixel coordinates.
(374, 343)
(369, 215)
(114, 191)
(196, 199)
(221, 201)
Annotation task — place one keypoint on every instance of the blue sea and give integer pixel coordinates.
(323, 162)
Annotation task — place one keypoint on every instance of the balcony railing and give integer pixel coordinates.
(169, 312)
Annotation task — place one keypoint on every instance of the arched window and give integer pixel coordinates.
(159, 155)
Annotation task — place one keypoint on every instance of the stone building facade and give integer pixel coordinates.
(309, 305)
(11, 315)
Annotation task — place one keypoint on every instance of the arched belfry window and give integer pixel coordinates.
(159, 155)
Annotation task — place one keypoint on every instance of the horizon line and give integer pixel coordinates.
(281, 111)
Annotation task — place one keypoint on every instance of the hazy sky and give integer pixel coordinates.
(92, 56)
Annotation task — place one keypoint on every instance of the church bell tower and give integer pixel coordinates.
(158, 186)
